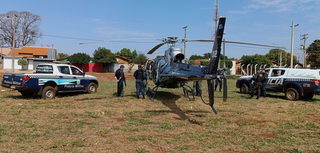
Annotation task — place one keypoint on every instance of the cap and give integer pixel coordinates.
(122, 66)
(139, 65)
(142, 65)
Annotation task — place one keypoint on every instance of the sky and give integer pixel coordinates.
(139, 24)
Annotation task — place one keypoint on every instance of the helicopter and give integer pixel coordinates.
(173, 71)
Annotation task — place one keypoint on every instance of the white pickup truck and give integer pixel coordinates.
(295, 83)
(50, 79)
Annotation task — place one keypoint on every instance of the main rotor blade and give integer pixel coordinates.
(236, 42)
(155, 48)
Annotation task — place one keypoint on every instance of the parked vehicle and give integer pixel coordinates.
(50, 79)
(295, 83)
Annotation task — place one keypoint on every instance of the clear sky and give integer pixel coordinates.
(255, 21)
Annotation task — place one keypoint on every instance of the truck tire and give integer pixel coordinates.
(27, 94)
(92, 88)
(244, 88)
(48, 92)
(292, 94)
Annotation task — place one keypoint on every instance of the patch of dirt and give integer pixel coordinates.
(270, 136)
(118, 119)
(251, 120)
(312, 117)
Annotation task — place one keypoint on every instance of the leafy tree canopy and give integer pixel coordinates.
(274, 55)
(104, 56)
(313, 54)
(79, 58)
(125, 52)
(195, 57)
(22, 62)
(256, 59)
(140, 59)
(62, 55)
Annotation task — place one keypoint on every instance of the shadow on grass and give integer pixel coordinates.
(169, 99)
(58, 95)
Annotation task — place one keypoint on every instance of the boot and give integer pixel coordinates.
(143, 97)
(138, 97)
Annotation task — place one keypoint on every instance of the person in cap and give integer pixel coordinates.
(264, 83)
(119, 76)
(140, 75)
(258, 79)
(145, 81)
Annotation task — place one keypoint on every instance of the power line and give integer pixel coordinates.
(71, 38)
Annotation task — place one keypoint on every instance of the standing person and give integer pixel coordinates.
(264, 83)
(257, 84)
(218, 81)
(145, 81)
(197, 88)
(140, 76)
(119, 76)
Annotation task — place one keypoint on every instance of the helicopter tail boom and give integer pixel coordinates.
(216, 49)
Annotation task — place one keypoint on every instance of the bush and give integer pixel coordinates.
(22, 62)
(191, 62)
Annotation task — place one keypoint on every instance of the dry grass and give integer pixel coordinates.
(102, 122)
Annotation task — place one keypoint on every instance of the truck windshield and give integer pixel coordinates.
(44, 69)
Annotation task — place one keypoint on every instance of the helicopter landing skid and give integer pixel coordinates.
(186, 90)
(152, 92)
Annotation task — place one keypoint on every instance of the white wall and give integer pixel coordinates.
(233, 69)
(7, 62)
(30, 64)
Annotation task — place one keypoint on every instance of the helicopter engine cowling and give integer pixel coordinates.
(175, 55)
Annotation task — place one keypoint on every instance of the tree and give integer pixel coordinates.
(22, 62)
(125, 52)
(313, 54)
(195, 57)
(62, 55)
(104, 56)
(79, 58)
(274, 55)
(256, 59)
(26, 25)
(140, 59)
(227, 61)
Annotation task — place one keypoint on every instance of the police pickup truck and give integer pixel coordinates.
(295, 83)
(50, 79)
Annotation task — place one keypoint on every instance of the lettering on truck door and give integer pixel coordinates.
(68, 81)
(275, 80)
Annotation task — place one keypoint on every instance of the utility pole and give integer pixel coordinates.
(292, 36)
(185, 39)
(224, 53)
(304, 37)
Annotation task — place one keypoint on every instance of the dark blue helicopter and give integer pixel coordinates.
(173, 71)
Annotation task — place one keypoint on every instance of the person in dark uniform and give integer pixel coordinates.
(264, 83)
(257, 84)
(197, 87)
(218, 81)
(140, 75)
(119, 76)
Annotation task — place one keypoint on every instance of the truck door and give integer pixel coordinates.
(275, 80)
(80, 76)
(68, 81)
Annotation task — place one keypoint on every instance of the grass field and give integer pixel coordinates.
(101, 122)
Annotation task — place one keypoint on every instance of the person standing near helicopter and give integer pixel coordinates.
(140, 75)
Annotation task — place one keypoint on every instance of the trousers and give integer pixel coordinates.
(139, 87)
(220, 84)
(120, 91)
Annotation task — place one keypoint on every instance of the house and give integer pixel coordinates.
(34, 56)
(236, 67)
(97, 67)
(3, 52)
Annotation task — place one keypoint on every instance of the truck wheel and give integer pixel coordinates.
(48, 92)
(27, 94)
(92, 88)
(244, 88)
(308, 96)
(292, 94)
